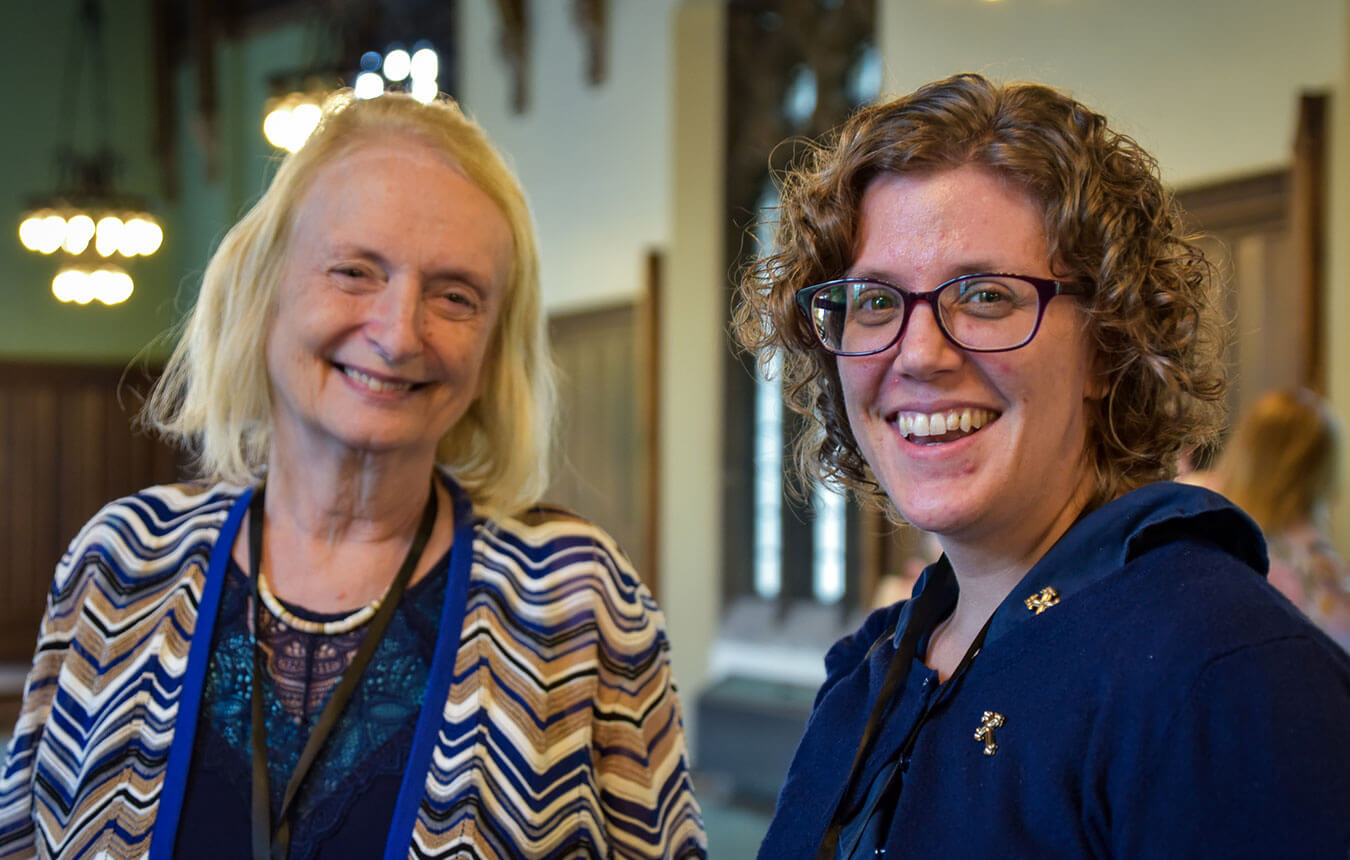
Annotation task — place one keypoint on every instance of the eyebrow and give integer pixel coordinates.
(960, 271)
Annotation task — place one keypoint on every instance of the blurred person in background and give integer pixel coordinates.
(1280, 467)
(359, 635)
(995, 328)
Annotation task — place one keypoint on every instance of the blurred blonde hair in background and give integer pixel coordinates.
(1280, 465)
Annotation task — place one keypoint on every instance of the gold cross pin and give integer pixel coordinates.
(990, 721)
(1042, 600)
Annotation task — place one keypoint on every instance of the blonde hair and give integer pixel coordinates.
(1153, 323)
(214, 395)
(1280, 466)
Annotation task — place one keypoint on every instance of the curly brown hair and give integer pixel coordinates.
(1109, 224)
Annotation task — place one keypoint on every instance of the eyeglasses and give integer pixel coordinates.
(978, 313)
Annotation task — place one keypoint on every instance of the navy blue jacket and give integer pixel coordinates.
(1171, 704)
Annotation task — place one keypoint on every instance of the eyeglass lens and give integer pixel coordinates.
(982, 312)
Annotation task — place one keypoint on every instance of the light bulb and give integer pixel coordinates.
(424, 64)
(72, 285)
(53, 234)
(368, 85)
(142, 236)
(108, 235)
(110, 286)
(397, 64)
(277, 127)
(30, 232)
(304, 119)
(130, 245)
(79, 230)
(120, 288)
(424, 90)
(151, 238)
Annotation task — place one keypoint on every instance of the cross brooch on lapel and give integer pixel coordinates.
(1042, 600)
(988, 722)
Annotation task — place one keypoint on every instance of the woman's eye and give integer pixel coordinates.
(349, 271)
(460, 303)
(876, 301)
(984, 294)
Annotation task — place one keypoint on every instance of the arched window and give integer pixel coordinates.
(795, 70)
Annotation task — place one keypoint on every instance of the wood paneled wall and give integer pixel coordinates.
(604, 445)
(67, 446)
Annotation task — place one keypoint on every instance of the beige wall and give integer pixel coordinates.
(692, 350)
(1210, 87)
(595, 161)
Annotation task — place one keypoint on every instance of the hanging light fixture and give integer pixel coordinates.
(90, 226)
(291, 115)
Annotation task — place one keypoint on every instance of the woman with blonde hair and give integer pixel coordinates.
(360, 635)
(1281, 467)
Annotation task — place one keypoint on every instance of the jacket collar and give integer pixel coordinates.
(1110, 537)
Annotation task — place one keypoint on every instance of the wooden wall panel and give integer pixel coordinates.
(67, 446)
(1246, 223)
(601, 452)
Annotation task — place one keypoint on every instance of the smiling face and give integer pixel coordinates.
(394, 276)
(984, 449)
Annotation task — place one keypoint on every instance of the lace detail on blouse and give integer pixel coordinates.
(370, 742)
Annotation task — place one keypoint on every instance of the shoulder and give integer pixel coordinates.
(557, 560)
(547, 538)
(1188, 608)
(151, 530)
(853, 650)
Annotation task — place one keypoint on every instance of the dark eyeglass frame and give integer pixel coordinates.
(1046, 289)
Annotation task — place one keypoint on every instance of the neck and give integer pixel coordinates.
(339, 497)
(987, 570)
(337, 528)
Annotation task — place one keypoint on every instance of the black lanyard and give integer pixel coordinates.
(270, 844)
(927, 605)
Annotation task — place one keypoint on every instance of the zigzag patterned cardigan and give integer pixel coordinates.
(557, 733)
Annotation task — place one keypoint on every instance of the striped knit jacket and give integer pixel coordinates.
(557, 732)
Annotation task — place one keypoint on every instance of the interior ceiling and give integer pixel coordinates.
(357, 25)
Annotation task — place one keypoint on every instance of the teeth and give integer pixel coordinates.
(376, 384)
(938, 423)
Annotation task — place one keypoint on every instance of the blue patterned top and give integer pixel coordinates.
(550, 726)
(364, 758)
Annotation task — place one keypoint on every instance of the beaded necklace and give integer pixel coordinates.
(337, 626)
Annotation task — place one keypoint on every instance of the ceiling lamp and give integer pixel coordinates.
(87, 222)
(291, 118)
(291, 115)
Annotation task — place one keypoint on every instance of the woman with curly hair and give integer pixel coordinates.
(995, 328)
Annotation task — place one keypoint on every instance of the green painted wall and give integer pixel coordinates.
(34, 326)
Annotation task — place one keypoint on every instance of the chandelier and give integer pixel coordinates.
(292, 114)
(86, 223)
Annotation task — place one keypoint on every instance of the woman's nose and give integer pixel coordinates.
(394, 328)
(924, 349)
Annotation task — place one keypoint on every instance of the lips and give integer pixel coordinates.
(934, 428)
(378, 384)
